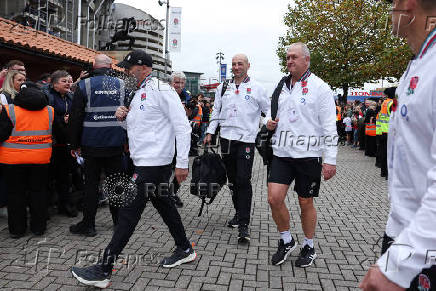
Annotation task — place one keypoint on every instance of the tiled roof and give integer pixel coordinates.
(31, 39)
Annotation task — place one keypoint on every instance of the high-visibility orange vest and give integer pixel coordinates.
(31, 138)
(338, 114)
(370, 129)
(197, 119)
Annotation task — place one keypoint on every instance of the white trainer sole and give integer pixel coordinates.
(188, 259)
(99, 284)
(286, 255)
(311, 262)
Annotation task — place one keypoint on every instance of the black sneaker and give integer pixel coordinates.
(283, 251)
(178, 257)
(244, 234)
(233, 223)
(177, 201)
(83, 229)
(306, 257)
(92, 276)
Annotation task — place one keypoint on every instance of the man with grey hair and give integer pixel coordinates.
(306, 112)
(178, 82)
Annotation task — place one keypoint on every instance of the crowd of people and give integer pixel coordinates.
(365, 126)
(65, 178)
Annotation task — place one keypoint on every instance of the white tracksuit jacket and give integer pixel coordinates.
(307, 121)
(238, 111)
(155, 122)
(412, 171)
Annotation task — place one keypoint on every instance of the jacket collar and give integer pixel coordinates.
(428, 43)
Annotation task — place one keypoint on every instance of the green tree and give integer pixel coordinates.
(350, 41)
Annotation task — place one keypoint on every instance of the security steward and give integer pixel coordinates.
(304, 146)
(384, 116)
(97, 135)
(238, 113)
(25, 152)
(408, 259)
(156, 124)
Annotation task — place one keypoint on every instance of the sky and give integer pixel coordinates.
(252, 27)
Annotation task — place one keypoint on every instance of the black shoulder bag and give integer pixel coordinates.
(263, 138)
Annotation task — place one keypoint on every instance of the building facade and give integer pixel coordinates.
(78, 21)
(149, 35)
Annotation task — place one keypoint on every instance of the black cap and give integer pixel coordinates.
(136, 57)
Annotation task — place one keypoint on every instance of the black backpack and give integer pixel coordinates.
(208, 177)
(263, 138)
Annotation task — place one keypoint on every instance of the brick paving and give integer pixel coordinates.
(352, 211)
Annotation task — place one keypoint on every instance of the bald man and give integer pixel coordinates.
(97, 135)
(238, 112)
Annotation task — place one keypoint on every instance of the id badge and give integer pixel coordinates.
(232, 111)
(292, 114)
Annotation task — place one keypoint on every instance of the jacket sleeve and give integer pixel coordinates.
(77, 115)
(263, 101)
(6, 125)
(415, 247)
(174, 111)
(59, 128)
(327, 119)
(217, 104)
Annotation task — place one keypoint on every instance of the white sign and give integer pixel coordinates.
(174, 29)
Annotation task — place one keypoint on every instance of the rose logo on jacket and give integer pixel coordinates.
(412, 86)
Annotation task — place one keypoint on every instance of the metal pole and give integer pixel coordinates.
(95, 12)
(72, 22)
(66, 19)
(166, 36)
(39, 11)
(87, 28)
(46, 19)
(79, 24)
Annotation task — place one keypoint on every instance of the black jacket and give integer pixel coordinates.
(75, 123)
(61, 106)
(33, 102)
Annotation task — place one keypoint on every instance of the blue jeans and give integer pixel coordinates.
(203, 129)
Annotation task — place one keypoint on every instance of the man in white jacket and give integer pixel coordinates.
(238, 112)
(409, 244)
(305, 133)
(156, 125)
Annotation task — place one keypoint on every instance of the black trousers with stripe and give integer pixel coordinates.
(238, 158)
(153, 185)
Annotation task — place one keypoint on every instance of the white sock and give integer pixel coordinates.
(308, 242)
(286, 236)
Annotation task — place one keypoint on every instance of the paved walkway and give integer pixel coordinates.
(352, 210)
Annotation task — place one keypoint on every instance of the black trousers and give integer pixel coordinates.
(3, 189)
(23, 179)
(62, 167)
(384, 154)
(94, 166)
(153, 185)
(370, 146)
(378, 152)
(422, 279)
(361, 130)
(238, 158)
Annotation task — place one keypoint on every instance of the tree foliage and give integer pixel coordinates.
(350, 41)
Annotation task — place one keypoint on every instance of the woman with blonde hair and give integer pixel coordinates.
(11, 86)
